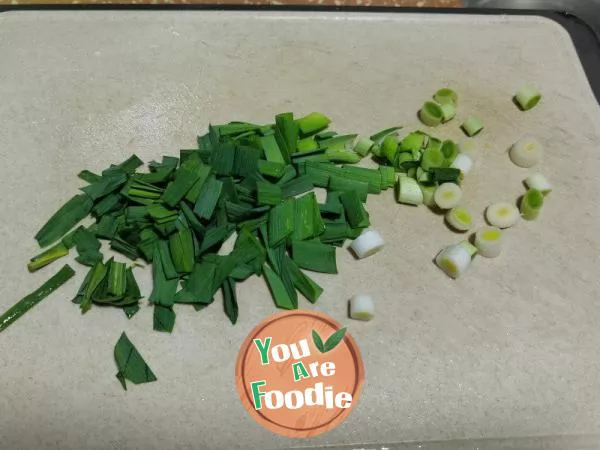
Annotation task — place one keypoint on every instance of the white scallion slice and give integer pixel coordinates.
(368, 243)
(539, 182)
(454, 260)
(362, 307)
(468, 247)
(489, 241)
(447, 195)
(408, 191)
(527, 97)
(460, 219)
(428, 192)
(502, 214)
(462, 162)
(526, 152)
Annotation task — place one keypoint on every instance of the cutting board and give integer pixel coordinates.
(510, 349)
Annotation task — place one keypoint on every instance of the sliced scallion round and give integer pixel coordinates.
(539, 182)
(447, 195)
(388, 176)
(432, 157)
(489, 241)
(462, 162)
(450, 151)
(376, 150)
(460, 219)
(454, 260)
(502, 214)
(389, 147)
(403, 157)
(368, 243)
(434, 143)
(363, 146)
(428, 192)
(342, 156)
(408, 191)
(431, 114)
(445, 96)
(362, 307)
(472, 126)
(423, 176)
(531, 204)
(527, 97)
(448, 112)
(526, 152)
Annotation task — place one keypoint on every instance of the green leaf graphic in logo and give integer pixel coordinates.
(318, 341)
(331, 343)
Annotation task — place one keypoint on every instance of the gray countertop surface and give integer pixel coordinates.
(510, 350)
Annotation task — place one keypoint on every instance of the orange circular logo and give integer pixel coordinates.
(299, 373)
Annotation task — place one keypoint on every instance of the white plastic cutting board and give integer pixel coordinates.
(511, 349)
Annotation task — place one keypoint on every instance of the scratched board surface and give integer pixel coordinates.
(511, 349)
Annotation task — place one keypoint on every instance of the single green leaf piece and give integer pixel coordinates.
(89, 177)
(182, 250)
(278, 290)
(111, 180)
(29, 301)
(97, 274)
(281, 222)
(315, 256)
(164, 318)
(88, 247)
(307, 287)
(163, 289)
(64, 219)
(313, 123)
(131, 310)
(187, 175)
(230, 305)
(43, 259)
(130, 364)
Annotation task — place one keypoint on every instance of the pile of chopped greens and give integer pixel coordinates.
(254, 181)
(255, 184)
